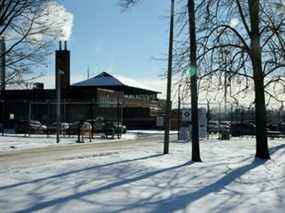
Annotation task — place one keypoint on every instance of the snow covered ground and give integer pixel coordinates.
(143, 180)
(150, 131)
(12, 142)
(18, 142)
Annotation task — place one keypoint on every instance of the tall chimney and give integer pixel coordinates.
(60, 48)
(65, 45)
(62, 64)
(2, 63)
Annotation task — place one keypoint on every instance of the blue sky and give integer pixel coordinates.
(107, 39)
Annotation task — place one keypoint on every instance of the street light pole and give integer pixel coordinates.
(3, 80)
(178, 114)
(169, 76)
(3, 63)
(118, 118)
(58, 91)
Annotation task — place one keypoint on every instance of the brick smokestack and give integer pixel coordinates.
(62, 62)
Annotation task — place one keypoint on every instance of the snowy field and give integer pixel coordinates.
(18, 142)
(141, 180)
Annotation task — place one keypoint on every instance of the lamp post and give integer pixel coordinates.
(3, 63)
(169, 76)
(118, 118)
(178, 114)
(208, 117)
(58, 91)
(2, 75)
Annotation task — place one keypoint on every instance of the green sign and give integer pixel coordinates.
(191, 71)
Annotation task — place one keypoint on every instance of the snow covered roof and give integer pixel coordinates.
(107, 80)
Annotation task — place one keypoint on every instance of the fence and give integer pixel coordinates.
(45, 112)
(242, 114)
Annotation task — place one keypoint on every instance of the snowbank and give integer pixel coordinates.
(18, 142)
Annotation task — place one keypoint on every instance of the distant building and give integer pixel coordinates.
(105, 95)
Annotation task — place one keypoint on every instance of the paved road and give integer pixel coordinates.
(37, 156)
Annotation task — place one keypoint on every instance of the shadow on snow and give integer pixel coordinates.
(168, 204)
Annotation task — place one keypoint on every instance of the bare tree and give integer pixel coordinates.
(236, 39)
(30, 28)
(128, 3)
(240, 38)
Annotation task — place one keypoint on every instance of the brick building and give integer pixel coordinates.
(105, 95)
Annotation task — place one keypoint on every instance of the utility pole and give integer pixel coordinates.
(3, 63)
(3, 75)
(178, 114)
(194, 90)
(118, 118)
(169, 82)
(58, 91)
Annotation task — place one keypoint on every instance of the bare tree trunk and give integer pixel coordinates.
(194, 91)
(260, 109)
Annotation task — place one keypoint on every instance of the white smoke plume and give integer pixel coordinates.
(54, 20)
(62, 20)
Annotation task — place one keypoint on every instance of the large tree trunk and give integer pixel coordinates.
(194, 91)
(256, 57)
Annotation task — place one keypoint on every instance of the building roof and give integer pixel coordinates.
(106, 80)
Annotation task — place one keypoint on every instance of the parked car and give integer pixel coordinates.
(240, 129)
(225, 124)
(109, 130)
(30, 127)
(80, 127)
(74, 128)
(63, 128)
(97, 124)
(273, 127)
(100, 125)
(216, 126)
(213, 127)
(119, 128)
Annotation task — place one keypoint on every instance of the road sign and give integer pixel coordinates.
(184, 134)
(186, 115)
(202, 123)
(159, 121)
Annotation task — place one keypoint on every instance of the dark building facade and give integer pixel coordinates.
(112, 97)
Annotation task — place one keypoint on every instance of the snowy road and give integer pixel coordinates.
(36, 156)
